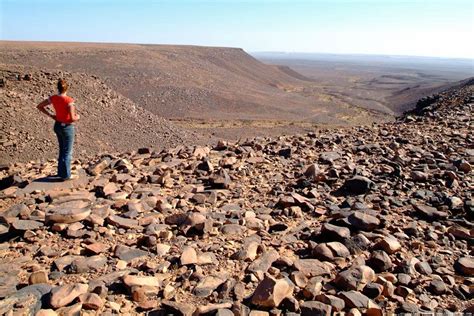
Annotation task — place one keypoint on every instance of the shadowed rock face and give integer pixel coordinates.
(155, 231)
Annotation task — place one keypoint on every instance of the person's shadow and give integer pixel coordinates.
(49, 179)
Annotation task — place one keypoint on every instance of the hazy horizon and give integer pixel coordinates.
(394, 28)
(285, 53)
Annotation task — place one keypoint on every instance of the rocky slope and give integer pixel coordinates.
(26, 134)
(193, 82)
(368, 220)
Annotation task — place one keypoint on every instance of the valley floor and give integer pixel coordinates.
(367, 220)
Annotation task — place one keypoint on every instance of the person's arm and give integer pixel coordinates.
(42, 107)
(72, 112)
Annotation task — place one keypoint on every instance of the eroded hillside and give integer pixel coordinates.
(190, 82)
(110, 122)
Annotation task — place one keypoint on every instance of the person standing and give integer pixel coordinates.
(64, 115)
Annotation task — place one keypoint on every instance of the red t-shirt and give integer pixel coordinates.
(61, 107)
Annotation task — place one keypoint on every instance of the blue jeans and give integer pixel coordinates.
(65, 133)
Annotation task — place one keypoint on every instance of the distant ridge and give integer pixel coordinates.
(292, 73)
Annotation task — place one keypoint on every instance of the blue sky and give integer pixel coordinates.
(420, 28)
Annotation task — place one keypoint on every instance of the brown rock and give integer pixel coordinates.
(168, 292)
(313, 287)
(429, 212)
(388, 288)
(67, 215)
(374, 309)
(355, 278)
(189, 256)
(299, 279)
(322, 252)
(63, 262)
(87, 264)
(404, 291)
(373, 290)
(123, 222)
(423, 267)
(312, 267)
(221, 180)
(65, 294)
(38, 277)
(46, 312)
(140, 294)
(96, 248)
(465, 266)
(220, 309)
(248, 252)
(23, 225)
(380, 261)
(232, 229)
(128, 253)
(178, 308)
(162, 249)
(419, 176)
(310, 308)
(338, 249)
(354, 299)
(335, 232)
(207, 285)
(135, 280)
(264, 262)
(91, 301)
(363, 221)
(438, 287)
(8, 282)
(73, 310)
(336, 303)
(206, 258)
(99, 167)
(313, 173)
(461, 232)
(110, 188)
(271, 292)
(388, 244)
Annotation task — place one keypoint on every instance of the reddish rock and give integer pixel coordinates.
(312, 267)
(96, 248)
(310, 308)
(355, 278)
(363, 221)
(67, 215)
(465, 266)
(65, 294)
(38, 277)
(388, 244)
(271, 292)
(135, 280)
(188, 256)
(91, 301)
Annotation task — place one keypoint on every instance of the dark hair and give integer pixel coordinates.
(62, 85)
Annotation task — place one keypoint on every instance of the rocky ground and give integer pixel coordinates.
(369, 220)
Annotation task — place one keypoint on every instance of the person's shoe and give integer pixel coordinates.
(72, 177)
